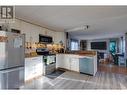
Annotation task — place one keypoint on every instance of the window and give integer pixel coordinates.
(113, 46)
(74, 45)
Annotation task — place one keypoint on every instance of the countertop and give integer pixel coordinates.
(89, 55)
(30, 56)
(80, 54)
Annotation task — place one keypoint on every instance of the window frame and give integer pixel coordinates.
(75, 48)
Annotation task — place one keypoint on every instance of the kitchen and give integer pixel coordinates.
(34, 65)
(44, 54)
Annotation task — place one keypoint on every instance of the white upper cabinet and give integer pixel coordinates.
(16, 24)
(60, 36)
(32, 31)
(42, 31)
(50, 33)
(25, 28)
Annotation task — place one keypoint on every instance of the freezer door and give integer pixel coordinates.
(15, 50)
(12, 78)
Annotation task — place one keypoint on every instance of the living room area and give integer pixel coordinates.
(110, 50)
(111, 54)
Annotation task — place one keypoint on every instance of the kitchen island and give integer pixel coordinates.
(79, 62)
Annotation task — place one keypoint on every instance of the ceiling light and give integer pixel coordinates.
(81, 28)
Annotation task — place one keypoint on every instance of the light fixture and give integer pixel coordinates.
(81, 28)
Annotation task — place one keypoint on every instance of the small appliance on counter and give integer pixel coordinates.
(48, 59)
(61, 50)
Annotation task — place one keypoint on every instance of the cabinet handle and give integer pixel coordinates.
(35, 59)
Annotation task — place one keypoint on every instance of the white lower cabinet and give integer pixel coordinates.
(67, 61)
(38, 69)
(60, 61)
(33, 67)
(74, 64)
(77, 63)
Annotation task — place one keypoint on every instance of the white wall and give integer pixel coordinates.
(32, 31)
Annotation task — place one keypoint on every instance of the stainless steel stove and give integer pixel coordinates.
(49, 60)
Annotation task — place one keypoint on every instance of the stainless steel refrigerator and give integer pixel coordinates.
(11, 60)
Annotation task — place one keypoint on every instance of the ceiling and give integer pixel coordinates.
(104, 21)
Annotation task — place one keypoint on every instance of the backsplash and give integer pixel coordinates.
(53, 48)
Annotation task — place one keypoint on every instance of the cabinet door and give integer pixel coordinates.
(38, 69)
(59, 36)
(38, 66)
(36, 60)
(28, 69)
(29, 72)
(75, 64)
(33, 67)
(25, 27)
(59, 60)
(67, 61)
(34, 33)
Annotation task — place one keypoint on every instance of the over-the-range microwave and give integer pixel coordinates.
(45, 39)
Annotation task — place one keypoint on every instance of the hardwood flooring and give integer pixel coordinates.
(72, 80)
(112, 69)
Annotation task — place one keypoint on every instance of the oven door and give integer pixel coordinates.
(49, 59)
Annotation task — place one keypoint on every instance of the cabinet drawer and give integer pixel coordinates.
(74, 60)
(36, 60)
(33, 61)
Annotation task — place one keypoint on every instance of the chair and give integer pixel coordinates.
(114, 58)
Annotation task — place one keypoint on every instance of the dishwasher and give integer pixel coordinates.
(86, 66)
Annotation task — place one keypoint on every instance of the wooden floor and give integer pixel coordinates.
(72, 80)
(112, 69)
